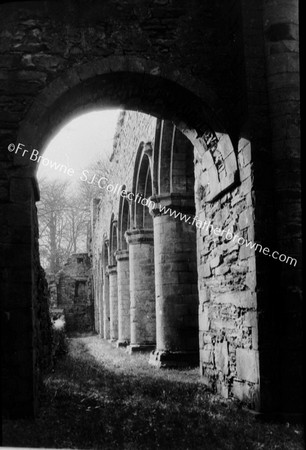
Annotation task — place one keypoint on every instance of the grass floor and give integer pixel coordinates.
(99, 397)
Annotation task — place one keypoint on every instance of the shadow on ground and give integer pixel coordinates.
(101, 398)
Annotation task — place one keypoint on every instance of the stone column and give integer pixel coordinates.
(100, 299)
(98, 295)
(113, 302)
(96, 304)
(106, 312)
(176, 284)
(142, 289)
(123, 271)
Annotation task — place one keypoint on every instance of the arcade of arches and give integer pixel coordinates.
(210, 128)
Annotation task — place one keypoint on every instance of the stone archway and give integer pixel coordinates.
(141, 250)
(105, 290)
(219, 160)
(175, 250)
(91, 86)
(129, 83)
(113, 280)
(255, 73)
(123, 270)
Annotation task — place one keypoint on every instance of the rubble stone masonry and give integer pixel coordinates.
(74, 293)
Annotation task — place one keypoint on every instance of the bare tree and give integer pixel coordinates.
(63, 214)
(51, 207)
(62, 223)
(77, 216)
(88, 184)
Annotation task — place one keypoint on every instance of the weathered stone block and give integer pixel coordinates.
(222, 270)
(250, 280)
(247, 365)
(221, 357)
(206, 272)
(241, 390)
(204, 295)
(207, 338)
(255, 337)
(246, 252)
(247, 156)
(215, 261)
(247, 185)
(241, 299)
(238, 268)
(204, 323)
(245, 218)
(206, 355)
(250, 319)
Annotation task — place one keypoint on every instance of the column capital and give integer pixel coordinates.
(138, 236)
(122, 255)
(112, 270)
(181, 203)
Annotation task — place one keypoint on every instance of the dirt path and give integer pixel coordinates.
(100, 397)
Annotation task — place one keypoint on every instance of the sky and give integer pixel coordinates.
(80, 142)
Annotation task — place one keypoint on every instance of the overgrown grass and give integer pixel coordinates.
(59, 339)
(100, 397)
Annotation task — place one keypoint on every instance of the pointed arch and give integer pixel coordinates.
(113, 241)
(124, 220)
(142, 190)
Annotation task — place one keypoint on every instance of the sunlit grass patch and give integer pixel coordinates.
(103, 398)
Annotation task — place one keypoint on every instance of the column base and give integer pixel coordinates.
(112, 341)
(136, 348)
(122, 344)
(167, 359)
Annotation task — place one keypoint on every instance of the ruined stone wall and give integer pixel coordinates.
(227, 288)
(133, 129)
(226, 269)
(74, 293)
(26, 324)
(39, 42)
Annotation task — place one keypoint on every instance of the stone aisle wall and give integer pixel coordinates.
(133, 129)
(226, 269)
(227, 288)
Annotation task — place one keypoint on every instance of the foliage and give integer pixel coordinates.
(62, 224)
(64, 213)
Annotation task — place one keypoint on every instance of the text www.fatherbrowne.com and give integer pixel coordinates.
(228, 235)
(102, 184)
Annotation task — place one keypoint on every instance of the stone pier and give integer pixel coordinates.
(106, 312)
(100, 302)
(176, 285)
(123, 271)
(142, 289)
(113, 302)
